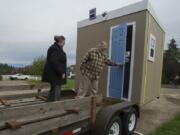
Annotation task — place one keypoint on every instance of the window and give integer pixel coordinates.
(152, 47)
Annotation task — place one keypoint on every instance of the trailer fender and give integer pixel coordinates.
(127, 109)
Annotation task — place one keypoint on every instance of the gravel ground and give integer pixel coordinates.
(159, 111)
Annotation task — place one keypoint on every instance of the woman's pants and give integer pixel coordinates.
(54, 93)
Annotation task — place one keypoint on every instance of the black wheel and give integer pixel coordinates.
(129, 122)
(108, 122)
(114, 127)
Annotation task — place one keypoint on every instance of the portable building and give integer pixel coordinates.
(135, 36)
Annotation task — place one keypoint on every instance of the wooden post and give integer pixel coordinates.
(39, 92)
(93, 109)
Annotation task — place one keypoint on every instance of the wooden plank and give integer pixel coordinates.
(22, 100)
(12, 95)
(22, 87)
(31, 113)
(31, 101)
(21, 104)
(46, 125)
(25, 100)
(21, 94)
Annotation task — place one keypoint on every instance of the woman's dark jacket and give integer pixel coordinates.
(55, 66)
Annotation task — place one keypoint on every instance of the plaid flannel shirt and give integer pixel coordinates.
(93, 62)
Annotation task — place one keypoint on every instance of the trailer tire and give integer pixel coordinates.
(114, 127)
(107, 119)
(129, 121)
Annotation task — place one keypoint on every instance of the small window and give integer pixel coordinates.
(152, 47)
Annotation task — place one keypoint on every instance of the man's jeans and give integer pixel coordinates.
(87, 86)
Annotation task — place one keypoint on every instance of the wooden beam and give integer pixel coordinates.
(22, 102)
(46, 125)
(22, 87)
(33, 113)
(32, 93)
(21, 95)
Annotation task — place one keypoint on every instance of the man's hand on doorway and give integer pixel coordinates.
(120, 64)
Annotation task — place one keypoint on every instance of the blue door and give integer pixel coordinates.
(118, 49)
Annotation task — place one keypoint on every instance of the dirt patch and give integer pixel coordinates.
(174, 100)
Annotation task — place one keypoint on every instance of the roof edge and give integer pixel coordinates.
(133, 8)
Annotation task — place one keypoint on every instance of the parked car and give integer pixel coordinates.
(19, 77)
(71, 76)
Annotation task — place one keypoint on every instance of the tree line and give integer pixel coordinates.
(35, 69)
(170, 73)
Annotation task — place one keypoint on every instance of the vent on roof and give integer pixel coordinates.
(104, 15)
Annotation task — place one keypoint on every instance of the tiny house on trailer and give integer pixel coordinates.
(136, 38)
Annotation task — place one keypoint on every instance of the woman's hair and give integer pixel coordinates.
(59, 38)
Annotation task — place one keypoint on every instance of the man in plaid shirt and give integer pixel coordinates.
(91, 67)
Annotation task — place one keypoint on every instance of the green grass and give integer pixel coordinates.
(170, 128)
(70, 83)
(34, 82)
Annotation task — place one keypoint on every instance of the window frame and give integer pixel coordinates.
(152, 38)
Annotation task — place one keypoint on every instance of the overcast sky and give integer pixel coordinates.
(27, 27)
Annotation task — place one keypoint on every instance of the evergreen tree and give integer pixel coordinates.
(171, 65)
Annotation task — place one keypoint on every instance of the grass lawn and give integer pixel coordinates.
(170, 128)
(70, 83)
